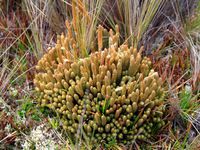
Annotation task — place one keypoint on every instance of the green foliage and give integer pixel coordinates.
(185, 99)
(25, 108)
(189, 106)
(188, 101)
(105, 106)
(111, 144)
(28, 109)
(54, 122)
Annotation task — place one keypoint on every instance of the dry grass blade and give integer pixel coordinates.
(195, 58)
(85, 16)
(133, 16)
(192, 37)
(37, 13)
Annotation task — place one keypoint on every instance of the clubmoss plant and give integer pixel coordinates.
(114, 92)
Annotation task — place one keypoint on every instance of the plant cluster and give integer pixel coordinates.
(112, 94)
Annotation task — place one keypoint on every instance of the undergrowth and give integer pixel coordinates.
(26, 32)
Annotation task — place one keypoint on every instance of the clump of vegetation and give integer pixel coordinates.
(113, 94)
(169, 32)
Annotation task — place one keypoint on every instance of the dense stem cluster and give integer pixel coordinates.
(112, 94)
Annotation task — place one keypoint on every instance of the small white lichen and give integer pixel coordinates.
(41, 138)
